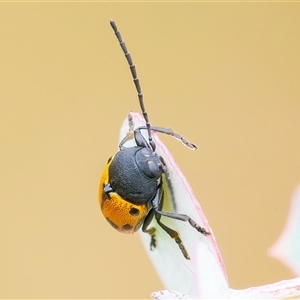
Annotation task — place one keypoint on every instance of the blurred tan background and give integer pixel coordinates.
(226, 75)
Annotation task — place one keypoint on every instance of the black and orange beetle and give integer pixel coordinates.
(131, 187)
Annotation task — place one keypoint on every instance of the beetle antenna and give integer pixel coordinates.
(135, 80)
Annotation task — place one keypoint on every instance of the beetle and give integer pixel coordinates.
(131, 189)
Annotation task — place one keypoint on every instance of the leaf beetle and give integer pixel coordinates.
(131, 190)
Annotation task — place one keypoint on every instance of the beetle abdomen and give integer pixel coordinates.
(122, 215)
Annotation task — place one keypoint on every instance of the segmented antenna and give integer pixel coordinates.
(135, 80)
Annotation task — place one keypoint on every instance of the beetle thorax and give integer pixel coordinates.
(135, 174)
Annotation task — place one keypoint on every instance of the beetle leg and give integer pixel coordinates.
(130, 122)
(140, 140)
(129, 136)
(130, 133)
(138, 137)
(173, 234)
(107, 188)
(157, 204)
(169, 131)
(163, 166)
(151, 230)
(136, 134)
(184, 218)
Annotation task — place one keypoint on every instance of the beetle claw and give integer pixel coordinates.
(153, 242)
(182, 248)
(151, 232)
(202, 230)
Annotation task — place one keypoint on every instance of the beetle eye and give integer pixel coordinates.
(149, 163)
(154, 168)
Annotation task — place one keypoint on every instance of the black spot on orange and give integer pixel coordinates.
(127, 227)
(134, 211)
